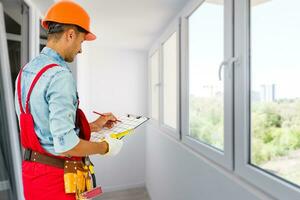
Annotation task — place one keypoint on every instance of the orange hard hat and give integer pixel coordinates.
(68, 12)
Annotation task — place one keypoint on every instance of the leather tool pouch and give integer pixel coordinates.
(75, 176)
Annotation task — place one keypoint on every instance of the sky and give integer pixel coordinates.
(275, 40)
(206, 47)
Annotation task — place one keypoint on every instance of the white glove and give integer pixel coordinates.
(114, 146)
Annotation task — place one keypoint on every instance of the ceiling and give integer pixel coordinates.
(130, 24)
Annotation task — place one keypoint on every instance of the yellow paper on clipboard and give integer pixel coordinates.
(127, 125)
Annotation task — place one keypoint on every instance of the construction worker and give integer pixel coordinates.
(53, 129)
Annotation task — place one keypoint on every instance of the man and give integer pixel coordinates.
(46, 104)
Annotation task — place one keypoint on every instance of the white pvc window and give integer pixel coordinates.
(164, 81)
(207, 95)
(170, 82)
(10, 122)
(206, 90)
(155, 85)
(267, 95)
(275, 111)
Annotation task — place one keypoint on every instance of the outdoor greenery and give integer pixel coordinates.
(206, 120)
(275, 129)
(275, 126)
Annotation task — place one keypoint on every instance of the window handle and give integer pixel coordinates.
(225, 63)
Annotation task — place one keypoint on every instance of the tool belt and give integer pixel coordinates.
(34, 156)
(78, 176)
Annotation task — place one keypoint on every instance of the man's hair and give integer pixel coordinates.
(56, 30)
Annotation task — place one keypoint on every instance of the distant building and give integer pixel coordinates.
(267, 93)
(211, 90)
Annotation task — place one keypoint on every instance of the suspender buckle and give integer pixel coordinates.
(27, 154)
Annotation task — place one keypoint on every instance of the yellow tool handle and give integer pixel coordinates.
(120, 135)
(91, 168)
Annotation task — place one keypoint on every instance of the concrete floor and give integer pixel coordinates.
(130, 194)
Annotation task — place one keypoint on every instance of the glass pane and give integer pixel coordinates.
(11, 25)
(170, 81)
(14, 51)
(206, 50)
(275, 94)
(12, 16)
(154, 64)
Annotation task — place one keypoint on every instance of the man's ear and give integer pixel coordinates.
(70, 34)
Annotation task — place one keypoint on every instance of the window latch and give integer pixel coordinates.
(225, 63)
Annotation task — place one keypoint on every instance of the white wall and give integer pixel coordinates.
(175, 172)
(42, 5)
(111, 80)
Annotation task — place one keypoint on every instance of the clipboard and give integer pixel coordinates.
(128, 123)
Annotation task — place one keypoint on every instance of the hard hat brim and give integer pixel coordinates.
(90, 36)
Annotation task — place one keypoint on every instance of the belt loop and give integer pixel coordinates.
(27, 154)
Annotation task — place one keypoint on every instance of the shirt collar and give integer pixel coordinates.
(55, 56)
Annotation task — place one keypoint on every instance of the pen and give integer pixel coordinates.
(105, 115)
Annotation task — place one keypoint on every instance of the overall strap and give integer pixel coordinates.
(19, 90)
(35, 80)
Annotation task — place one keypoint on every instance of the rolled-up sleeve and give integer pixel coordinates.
(61, 97)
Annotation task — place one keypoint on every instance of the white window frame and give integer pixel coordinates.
(34, 29)
(13, 37)
(271, 184)
(154, 50)
(12, 121)
(174, 27)
(24, 43)
(158, 46)
(223, 158)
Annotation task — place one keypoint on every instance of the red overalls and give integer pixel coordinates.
(41, 181)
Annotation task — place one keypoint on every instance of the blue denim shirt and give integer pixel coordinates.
(53, 102)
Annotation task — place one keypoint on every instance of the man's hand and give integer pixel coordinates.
(114, 146)
(107, 120)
